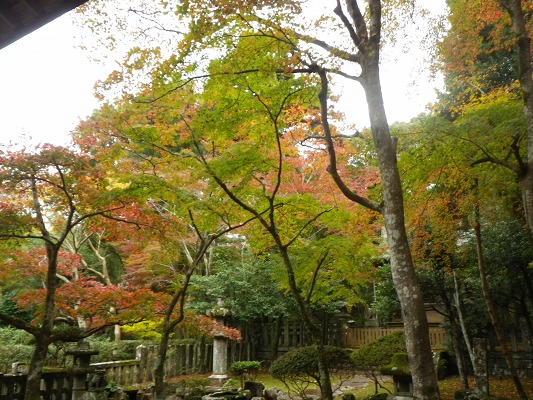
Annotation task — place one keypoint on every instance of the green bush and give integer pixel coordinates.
(10, 336)
(245, 370)
(114, 351)
(370, 358)
(298, 368)
(14, 353)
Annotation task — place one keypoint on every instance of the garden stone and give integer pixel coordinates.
(222, 396)
(272, 394)
(466, 394)
(255, 388)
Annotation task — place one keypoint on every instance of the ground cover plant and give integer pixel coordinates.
(499, 388)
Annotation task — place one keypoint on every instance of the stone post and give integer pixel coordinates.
(479, 348)
(220, 345)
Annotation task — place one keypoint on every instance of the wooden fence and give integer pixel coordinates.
(358, 337)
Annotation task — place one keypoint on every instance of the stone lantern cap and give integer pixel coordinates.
(82, 354)
(219, 311)
(399, 366)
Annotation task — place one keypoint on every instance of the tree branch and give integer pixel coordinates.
(332, 167)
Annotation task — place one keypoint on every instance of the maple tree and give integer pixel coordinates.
(241, 144)
(204, 28)
(490, 33)
(190, 221)
(45, 195)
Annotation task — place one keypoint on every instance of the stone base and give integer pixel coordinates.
(218, 380)
(223, 376)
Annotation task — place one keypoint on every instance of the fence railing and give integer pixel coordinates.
(55, 385)
(181, 359)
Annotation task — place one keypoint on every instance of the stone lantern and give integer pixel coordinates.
(80, 370)
(401, 375)
(220, 346)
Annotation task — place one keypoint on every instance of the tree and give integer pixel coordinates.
(45, 195)
(497, 35)
(236, 142)
(219, 26)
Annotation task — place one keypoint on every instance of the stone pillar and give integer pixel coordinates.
(141, 355)
(479, 349)
(220, 344)
(220, 358)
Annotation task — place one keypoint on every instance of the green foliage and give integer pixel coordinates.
(8, 306)
(245, 370)
(380, 352)
(248, 288)
(386, 305)
(114, 350)
(144, 330)
(14, 353)
(371, 357)
(298, 368)
(13, 336)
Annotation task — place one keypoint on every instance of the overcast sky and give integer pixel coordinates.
(46, 86)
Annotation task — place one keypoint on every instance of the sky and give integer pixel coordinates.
(46, 86)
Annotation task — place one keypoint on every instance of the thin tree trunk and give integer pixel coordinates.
(481, 378)
(159, 369)
(326, 391)
(455, 332)
(276, 334)
(310, 322)
(494, 316)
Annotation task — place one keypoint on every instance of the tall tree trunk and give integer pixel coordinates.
(364, 27)
(494, 316)
(403, 271)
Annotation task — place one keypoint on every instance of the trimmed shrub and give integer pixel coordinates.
(245, 370)
(298, 368)
(370, 358)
